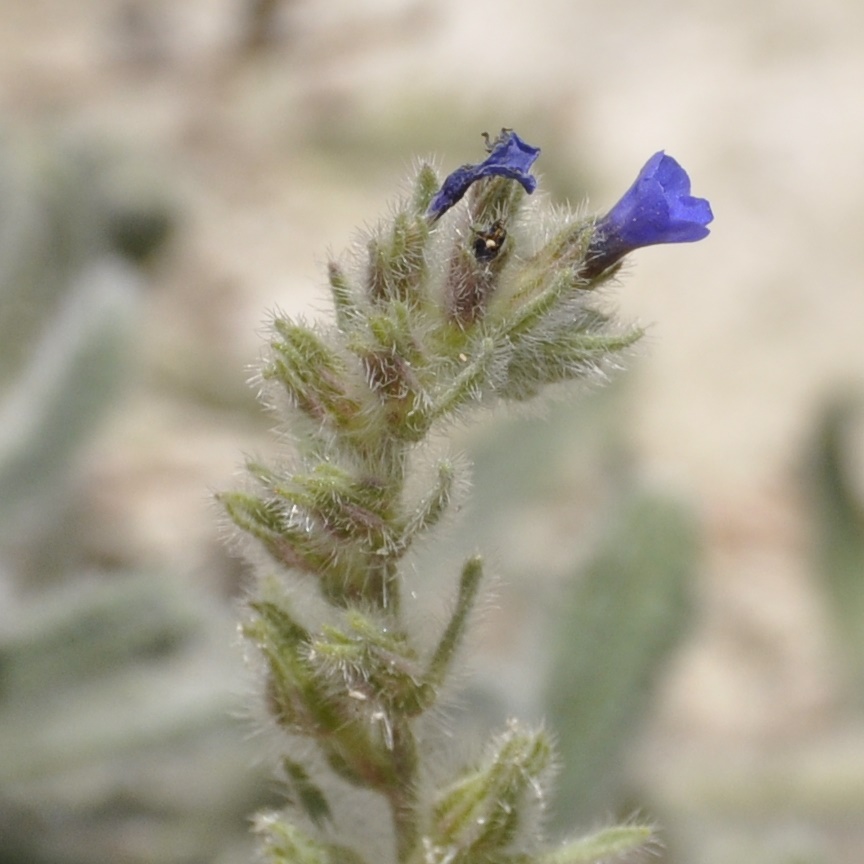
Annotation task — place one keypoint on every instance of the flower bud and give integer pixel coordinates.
(481, 813)
(313, 374)
(396, 264)
(375, 665)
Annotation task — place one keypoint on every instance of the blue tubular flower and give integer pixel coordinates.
(509, 156)
(657, 208)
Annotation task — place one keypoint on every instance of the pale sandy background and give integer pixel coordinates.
(272, 159)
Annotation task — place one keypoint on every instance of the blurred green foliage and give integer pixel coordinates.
(836, 509)
(72, 237)
(117, 689)
(617, 622)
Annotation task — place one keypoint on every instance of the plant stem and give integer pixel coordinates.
(403, 798)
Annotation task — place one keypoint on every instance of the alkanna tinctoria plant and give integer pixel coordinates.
(467, 295)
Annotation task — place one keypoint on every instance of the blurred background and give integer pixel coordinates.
(685, 588)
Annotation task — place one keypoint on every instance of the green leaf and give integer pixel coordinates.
(609, 843)
(305, 793)
(453, 635)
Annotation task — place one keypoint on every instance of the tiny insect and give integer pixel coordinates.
(491, 142)
(488, 243)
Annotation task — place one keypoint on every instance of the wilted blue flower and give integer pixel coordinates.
(657, 208)
(509, 157)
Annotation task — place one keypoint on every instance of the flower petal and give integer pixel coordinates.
(509, 157)
(657, 208)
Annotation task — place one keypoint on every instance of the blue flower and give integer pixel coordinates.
(509, 156)
(657, 208)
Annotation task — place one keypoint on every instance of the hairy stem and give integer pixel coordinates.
(403, 798)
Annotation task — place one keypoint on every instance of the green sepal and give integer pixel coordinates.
(302, 547)
(295, 697)
(341, 529)
(351, 508)
(469, 383)
(345, 299)
(375, 664)
(428, 511)
(396, 268)
(393, 362)
(483, 811)
(564, 353)
(607, 844)
(535, 295)
(426, 184)
(262, 519)
(354, 734)
(393, 332)
(313, 375)
(408, 258)
(344, 540)
(307, 703)
(305, 794)
(567, 248)
(470, 284)
(377, 271)
(494, 198)
(361, 751)
(284, 843)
